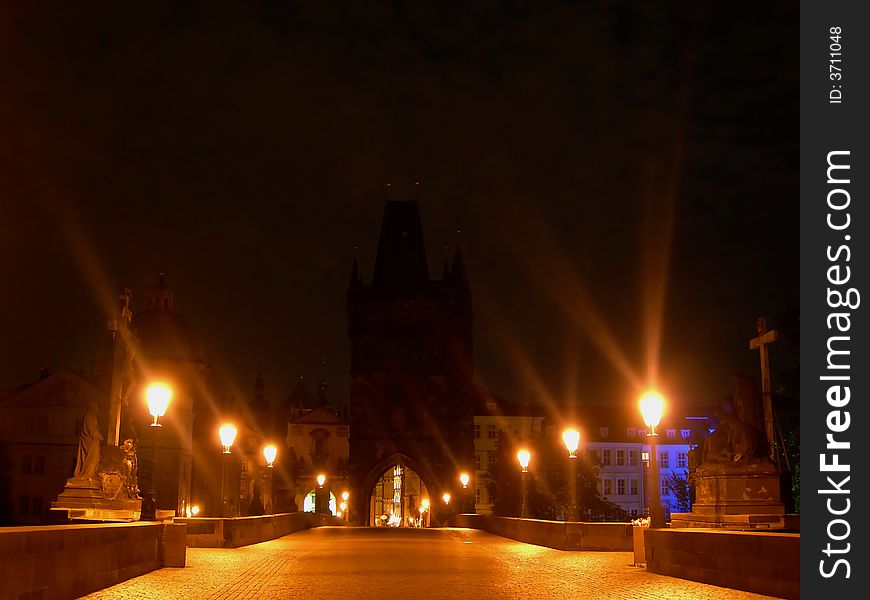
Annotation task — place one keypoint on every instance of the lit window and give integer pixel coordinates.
(620, 487)
(605, 458)
(632, 458)
(666, 489)
(682, 460)
(620, 458)
(477, 495)
(663, 460)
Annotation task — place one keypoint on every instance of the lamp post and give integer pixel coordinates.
(524, 456)
(270, 451)
(644, 481)
(344, 498)
(318, 495)
(571, 437)
(464, 478)
(651, 406)
(158, 396)
(424, 511)
(227, 434)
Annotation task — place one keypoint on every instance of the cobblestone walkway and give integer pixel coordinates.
(350, 563)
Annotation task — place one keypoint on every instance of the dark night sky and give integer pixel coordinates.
(244, 150)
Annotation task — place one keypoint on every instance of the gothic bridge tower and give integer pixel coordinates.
(412, 369)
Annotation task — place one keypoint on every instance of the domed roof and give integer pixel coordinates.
(161, 331)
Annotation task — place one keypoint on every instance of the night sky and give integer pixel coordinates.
(589, 158)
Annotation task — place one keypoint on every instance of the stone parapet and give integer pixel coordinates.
(760, 562)
(67, 561)
(560, 535)
(233, 532)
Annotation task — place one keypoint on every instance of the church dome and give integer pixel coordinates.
(162, 333)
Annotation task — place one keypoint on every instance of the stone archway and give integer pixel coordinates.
(395, 490)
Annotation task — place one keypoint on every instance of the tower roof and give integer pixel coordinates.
(162, 332)
(401, 260)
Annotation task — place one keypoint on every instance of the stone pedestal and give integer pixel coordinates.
(729, 497)
(87, 499)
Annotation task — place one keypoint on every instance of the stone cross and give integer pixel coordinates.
(760, 342)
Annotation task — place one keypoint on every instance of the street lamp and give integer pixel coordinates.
(158, 396)
(464, 478)
(524, 456)
(424, 509)
(651, 407)
(270, 451)
(344, 497)
(446, 497)
(571, 437)
(227, 434)
(321, 505)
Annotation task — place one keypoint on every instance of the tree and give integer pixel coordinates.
(679, 487)
(548, 482)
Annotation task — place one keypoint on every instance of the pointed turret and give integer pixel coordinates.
(323, 387)
(400, 264)
(458, 277)
(258, 405)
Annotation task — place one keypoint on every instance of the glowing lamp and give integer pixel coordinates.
(158, 396)
(571, 437)
(424, 504)
(194, 510)
(446, 497)
(321, 479)
(345, 495)
(464, 479)
(269, 453)
(343, 506)
(524, 456)
(227, 433)
(652, 404)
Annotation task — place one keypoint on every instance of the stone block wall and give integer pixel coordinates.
(553, 534)
(243, 531)
(67, 561)
(760, 562)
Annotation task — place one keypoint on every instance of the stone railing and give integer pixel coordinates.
(760, 562)
(67, 561)
(233, 532)
(553, 534)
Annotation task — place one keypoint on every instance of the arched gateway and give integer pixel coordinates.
(400, 494)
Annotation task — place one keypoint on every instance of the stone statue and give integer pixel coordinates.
(739, 438)
(131, 464)
(89, 445)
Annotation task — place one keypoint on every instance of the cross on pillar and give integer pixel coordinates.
(761, 342)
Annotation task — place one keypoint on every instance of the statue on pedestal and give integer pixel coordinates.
(739, 438)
